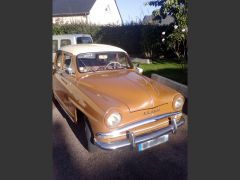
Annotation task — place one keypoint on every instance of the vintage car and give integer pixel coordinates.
(100, 89)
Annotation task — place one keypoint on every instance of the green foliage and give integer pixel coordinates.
(176, 8)
(75, 28)
(137, 39)
(176, 40)
(127, 37)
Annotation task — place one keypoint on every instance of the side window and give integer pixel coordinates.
(65, 42)
(54, 45)
(122, 59)
(59, 59)
(68, 64)
(67, 61)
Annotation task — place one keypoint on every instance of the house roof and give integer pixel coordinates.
(84, 48)
(72, 7)
(150, 19)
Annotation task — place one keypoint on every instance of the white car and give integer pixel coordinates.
(59, 41)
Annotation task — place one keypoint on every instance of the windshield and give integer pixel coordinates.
(102, 61)
(84, 40)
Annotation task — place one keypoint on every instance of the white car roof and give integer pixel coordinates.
(72, 35)
(84, 48)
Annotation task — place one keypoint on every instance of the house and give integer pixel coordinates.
(100, 12)
(150, 20)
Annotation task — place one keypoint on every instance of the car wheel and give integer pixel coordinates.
(90, 144)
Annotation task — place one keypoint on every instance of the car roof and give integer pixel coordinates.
(84, 48)
(71, 35)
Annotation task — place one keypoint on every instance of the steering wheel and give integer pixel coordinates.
(115, 63)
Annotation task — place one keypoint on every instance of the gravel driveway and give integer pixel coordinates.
(72, 162)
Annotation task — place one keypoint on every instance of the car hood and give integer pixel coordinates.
(137, 92)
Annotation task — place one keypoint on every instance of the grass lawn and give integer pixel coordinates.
(167, 68)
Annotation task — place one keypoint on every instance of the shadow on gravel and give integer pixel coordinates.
(78, 129)
(72, 162)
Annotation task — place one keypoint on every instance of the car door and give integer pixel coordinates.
(63, 80)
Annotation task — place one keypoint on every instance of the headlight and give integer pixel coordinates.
(113, 119)
(178, 103)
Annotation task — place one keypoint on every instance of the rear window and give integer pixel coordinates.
(84, 40)
(54, 45)
(65, 42)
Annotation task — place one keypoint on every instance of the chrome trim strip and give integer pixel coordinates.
(139, 139)
(135, 124)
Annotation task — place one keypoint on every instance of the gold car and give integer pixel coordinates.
(98, 87)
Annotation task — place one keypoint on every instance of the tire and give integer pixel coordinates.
(89, 137)
(85, 133)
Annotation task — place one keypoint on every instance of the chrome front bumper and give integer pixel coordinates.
(132, 140)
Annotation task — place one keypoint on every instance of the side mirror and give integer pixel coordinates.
(69, 71)
(139, 70)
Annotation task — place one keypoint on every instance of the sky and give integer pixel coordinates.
(133, 10)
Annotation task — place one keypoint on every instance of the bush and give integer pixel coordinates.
(137, 39)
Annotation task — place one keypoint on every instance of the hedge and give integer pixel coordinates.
(137, 39)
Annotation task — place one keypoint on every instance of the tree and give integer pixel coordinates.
(176, 39)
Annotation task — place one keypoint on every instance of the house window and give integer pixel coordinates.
(54, 45)
(65, 42)
(107, 9)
